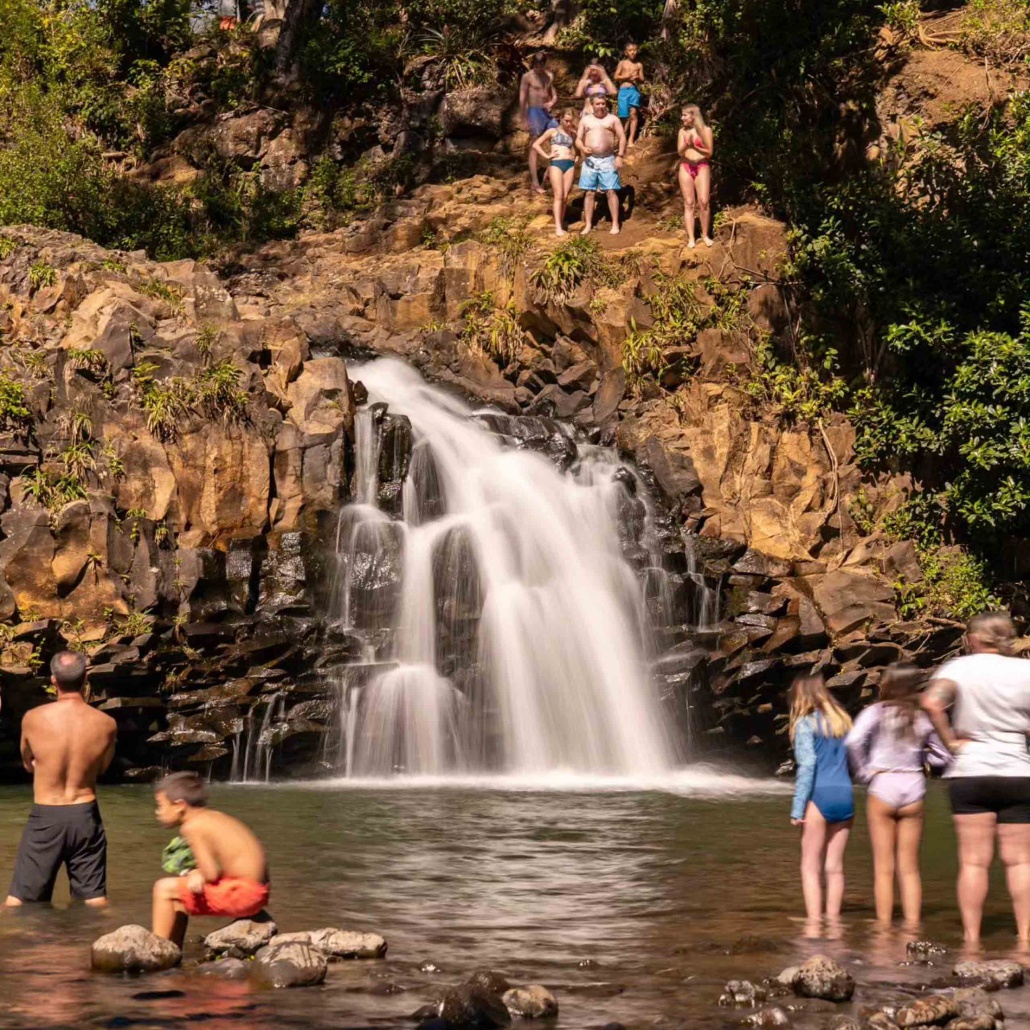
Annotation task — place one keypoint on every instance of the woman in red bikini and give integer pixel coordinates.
(694, 146)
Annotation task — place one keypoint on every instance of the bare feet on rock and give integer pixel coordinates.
(560, 232)
(614, 230)
(691, 244)
(709, 242)
(586, 230)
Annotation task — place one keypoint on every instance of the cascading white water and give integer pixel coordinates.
(515, 643)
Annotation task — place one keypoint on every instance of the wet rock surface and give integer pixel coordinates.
(995, 974)
(531, 1002)
(133, 949)
(290, 963)
(821, 977)
(241, 939)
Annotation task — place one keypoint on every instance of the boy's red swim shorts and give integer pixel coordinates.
(225, 897)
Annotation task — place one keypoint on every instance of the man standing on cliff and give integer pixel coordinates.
(66, 745)
(597, 137)
(537, 97)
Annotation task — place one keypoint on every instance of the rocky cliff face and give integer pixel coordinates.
(165, 466)
(177, 445)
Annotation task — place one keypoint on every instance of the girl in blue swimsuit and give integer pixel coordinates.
(824, 804)
(561, 163)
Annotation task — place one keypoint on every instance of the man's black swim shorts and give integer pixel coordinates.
(56, 835)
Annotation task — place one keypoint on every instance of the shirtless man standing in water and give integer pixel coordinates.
(597, 136)
(66, 745)
(537, 96)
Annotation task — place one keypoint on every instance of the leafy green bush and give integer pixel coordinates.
(576, 260)
(14, 411)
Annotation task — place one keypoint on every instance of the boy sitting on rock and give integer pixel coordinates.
(231, 875)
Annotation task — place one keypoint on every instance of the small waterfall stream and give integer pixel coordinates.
(503, 627)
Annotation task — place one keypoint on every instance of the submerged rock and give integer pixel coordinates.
(227, 968)
(290, 964)
(489, 980)
(133, 949)
(468, 1006)
(768, 1018)
(337, 944)
(531, 1002)
(821, 977)
(924, 952)
(241, 939)
(996, 973)
(937, 1008)
(742, 993)
(974, 1002)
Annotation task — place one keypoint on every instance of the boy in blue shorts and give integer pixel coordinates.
(630, 76)
(602, 141)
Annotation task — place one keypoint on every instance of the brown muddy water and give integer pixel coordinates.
(634, 905)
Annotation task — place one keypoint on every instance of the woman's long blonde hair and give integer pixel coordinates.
(808, 695)
(699, 118)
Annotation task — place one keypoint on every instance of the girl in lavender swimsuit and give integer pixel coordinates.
(888, 747)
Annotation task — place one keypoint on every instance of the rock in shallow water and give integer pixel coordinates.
(768, 1018)
(934, 1009)
(997, 973)
(228, 968)
(821, 977)
(338, 944)
(924, 951)
(240, 939)
(489, 980)
(467, 1006)
(742, 993)
(533, 1001)
(290, 964)
(133, 949)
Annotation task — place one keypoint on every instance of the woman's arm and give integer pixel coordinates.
(708, 140)
(538, 144)
(681, 143)
(804, 759)
(609, 85)
(581, 86)
(858, 740)
(937, 699)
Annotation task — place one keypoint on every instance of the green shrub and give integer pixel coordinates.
(14, 411)
(41, 274)
(577, 260)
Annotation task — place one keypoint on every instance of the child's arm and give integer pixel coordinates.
(858, 740)
(208, 867)
(804, 780)
(639, 73)
(621, 72)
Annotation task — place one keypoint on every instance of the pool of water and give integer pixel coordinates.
(633, 902)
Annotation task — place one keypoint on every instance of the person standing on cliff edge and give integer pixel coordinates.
(537, 97)
(65, 745)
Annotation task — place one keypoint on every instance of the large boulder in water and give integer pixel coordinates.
(133, 949)
(821, 977)
(994, 974)
(531, 1002)
(290, 963)
(241, 939)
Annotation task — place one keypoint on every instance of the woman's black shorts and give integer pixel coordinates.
(1007, 797)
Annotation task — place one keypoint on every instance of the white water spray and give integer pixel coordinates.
(515, 642)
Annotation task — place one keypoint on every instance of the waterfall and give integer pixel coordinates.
(504, 628)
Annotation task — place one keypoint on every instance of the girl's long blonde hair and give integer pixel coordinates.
(699, 118)
(808, 695)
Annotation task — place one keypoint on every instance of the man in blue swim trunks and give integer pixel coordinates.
(596, 140)
(537, 96)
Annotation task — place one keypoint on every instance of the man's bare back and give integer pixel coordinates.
(66, 745)
(224, 847)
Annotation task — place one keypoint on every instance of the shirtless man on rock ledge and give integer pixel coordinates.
(598, 134)
(65, 745)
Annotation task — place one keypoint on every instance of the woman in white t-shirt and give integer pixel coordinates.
(988, 693)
